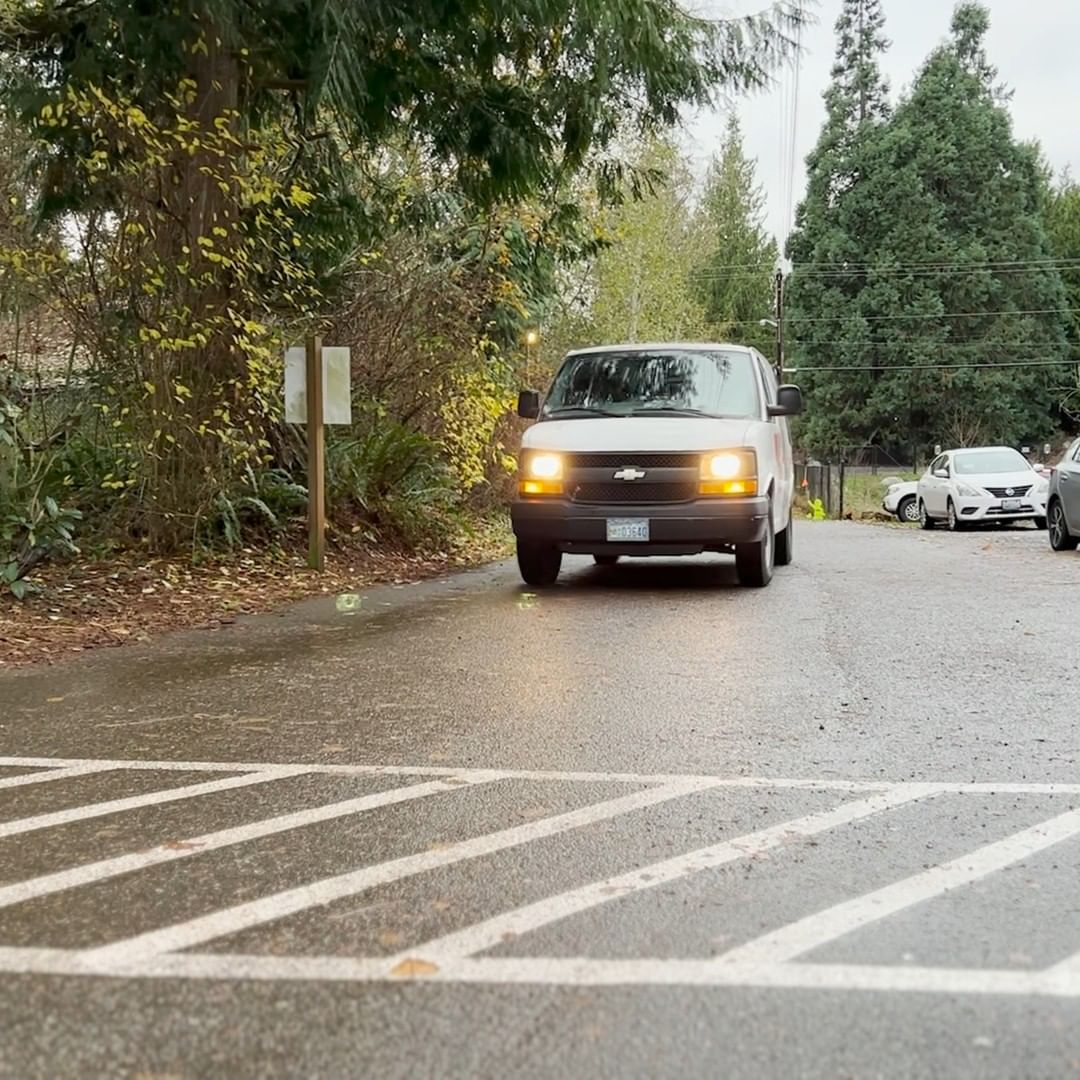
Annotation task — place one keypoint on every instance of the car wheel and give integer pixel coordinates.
(925, 520)
(908, 510)
(539, 563)
(605, 560)
(785, 544)
(1060, 537)
(1040, 523)
(955, 524)
(754, 563)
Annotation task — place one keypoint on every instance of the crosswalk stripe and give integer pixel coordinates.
(267, 909)
(90, 873)
(512, 924)
(153, 798)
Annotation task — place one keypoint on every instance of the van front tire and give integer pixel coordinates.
(785, 544)
(754, 563)
(539, 564)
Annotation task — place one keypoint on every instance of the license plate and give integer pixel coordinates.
(1011, 504)
(627, 530)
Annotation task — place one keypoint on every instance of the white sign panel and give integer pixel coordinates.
(337, 385)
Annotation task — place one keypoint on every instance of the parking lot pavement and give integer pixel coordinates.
(643, 824)
(801, 828)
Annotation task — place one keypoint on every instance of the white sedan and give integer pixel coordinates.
(984, 486)
(902, 499)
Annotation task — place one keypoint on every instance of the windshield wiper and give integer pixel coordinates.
(669, 410)
(586, 410)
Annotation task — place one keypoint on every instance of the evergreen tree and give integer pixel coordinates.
(1063, 229)
(735, 281)
(835, 235)
(922, 252)
(971, 265)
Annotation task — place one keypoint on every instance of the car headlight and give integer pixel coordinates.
(968, 491)
(541, 474)
(729, 472)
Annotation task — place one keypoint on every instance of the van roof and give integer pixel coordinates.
(639, 346)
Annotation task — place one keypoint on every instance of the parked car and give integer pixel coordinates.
(902, 499)
(982, 486)
(658, 450)
(1063, 504)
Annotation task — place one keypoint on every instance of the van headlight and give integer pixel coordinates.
(541, 473)
(729, 472)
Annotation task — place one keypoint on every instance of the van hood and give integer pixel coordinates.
(630, 434)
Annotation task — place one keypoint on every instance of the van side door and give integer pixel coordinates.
(781, 440)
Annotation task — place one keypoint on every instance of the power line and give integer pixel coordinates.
(933, 367)
(941, 315)
(790, 219)
(707, 274)
(925, 265)
(901, 343)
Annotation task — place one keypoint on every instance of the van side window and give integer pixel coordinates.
(772, 387)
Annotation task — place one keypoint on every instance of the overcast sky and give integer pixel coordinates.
(1031, 42)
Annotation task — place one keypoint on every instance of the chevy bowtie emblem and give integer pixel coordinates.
(630, 473)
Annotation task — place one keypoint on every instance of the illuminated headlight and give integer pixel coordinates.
(541, 474)
(543, 467)
(724, 466)
(729, 472)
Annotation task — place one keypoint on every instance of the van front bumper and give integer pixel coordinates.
(674, 529)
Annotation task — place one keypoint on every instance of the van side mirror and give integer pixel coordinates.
(788, 402)
(528, 406)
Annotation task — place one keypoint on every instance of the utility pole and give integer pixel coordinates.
(780, 325)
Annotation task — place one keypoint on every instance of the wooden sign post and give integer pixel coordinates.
(316, 451)
(318, 392)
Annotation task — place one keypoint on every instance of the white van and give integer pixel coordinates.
(664, 449)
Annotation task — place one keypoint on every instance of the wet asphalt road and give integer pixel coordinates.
(644, 824)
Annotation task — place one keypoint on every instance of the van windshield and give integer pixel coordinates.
(643, 382)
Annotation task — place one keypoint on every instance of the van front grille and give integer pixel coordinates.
(637, 494)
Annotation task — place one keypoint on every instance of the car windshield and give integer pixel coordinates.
(641, 382)
(988, 462)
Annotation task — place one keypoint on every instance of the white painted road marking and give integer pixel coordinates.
(767, 782)
(290, 901)
(819, 929)
(197, 845)
(557, 971)
(43, 776)
(153, 798)
(769, 961)
(493, 932)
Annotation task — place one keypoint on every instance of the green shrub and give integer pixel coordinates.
(396, 478)
(28, 537)
(261, 508)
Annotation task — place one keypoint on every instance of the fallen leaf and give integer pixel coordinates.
(181, 845)
(391, 938)
(411, 968)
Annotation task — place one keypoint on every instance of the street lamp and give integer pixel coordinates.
(532, 340)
